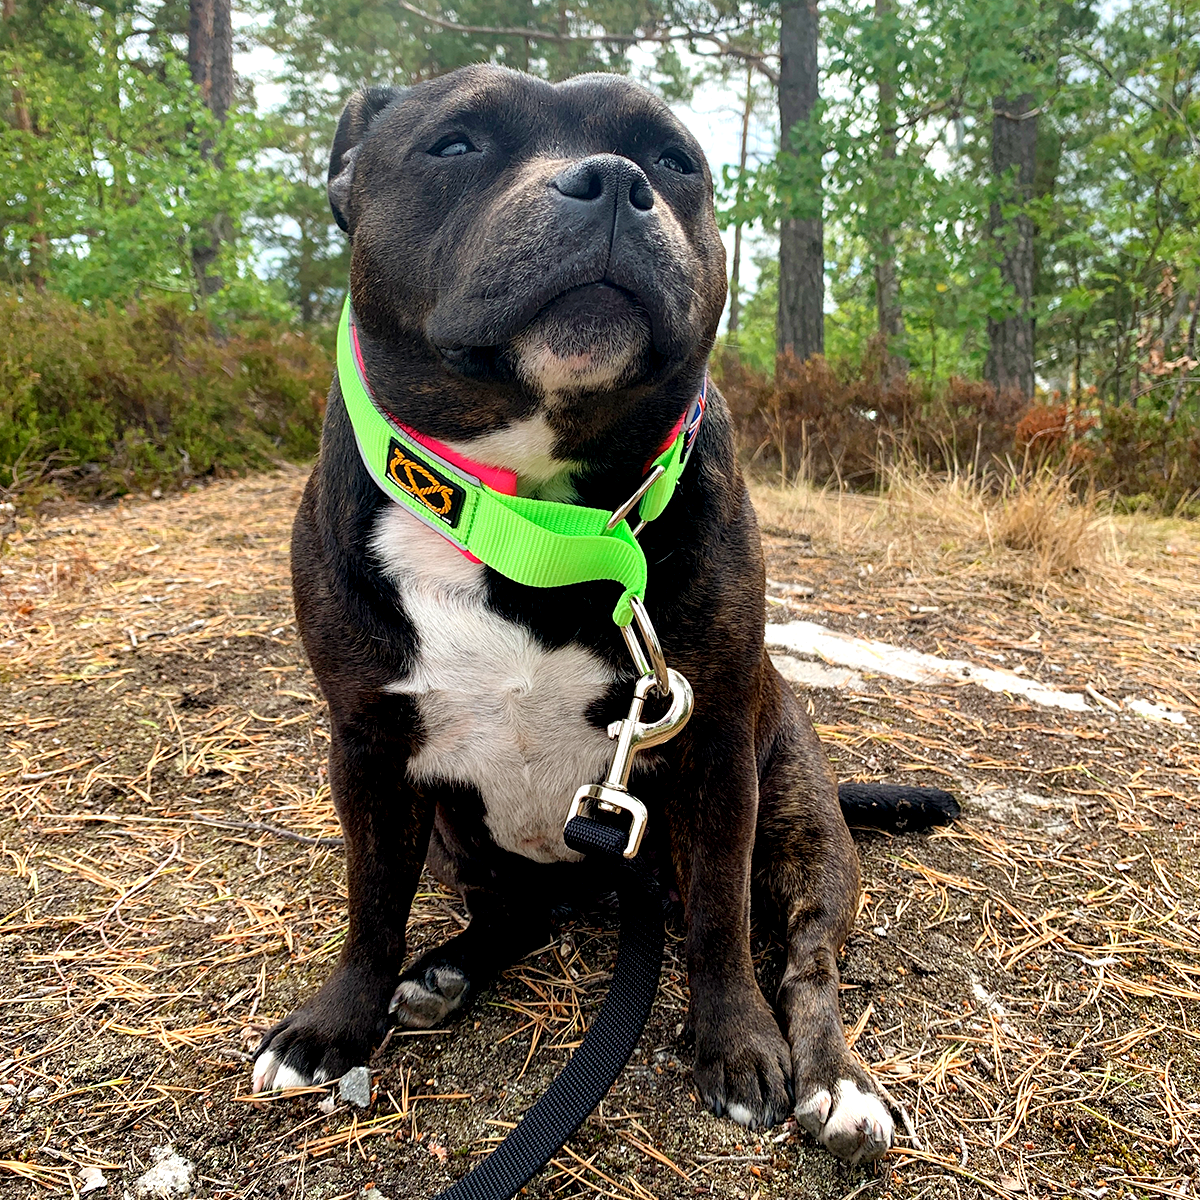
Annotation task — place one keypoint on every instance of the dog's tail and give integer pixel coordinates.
(894, 806)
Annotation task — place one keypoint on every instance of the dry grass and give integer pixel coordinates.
(1029, 528)
(1025, 982)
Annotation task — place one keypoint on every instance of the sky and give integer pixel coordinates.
(714, 115)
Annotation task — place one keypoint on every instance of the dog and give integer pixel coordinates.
(536, 279)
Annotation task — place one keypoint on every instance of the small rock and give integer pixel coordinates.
(91, 1179)
(170, 1176)
(355, 1087)
(327, 1105)
(372, 1193)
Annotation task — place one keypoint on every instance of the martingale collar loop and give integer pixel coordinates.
(539, 543)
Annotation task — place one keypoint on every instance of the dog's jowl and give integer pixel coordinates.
(536, 281)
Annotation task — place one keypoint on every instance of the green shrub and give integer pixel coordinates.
(115, 399)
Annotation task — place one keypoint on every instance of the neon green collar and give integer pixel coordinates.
(539, 543)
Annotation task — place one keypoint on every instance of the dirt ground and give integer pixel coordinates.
(1023, 981)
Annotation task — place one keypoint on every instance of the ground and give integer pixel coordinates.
(1021, 981)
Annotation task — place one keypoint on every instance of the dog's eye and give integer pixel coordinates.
(451, 147)
(675, 161)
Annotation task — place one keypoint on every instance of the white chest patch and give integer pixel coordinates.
(500, 713)
(526, 447)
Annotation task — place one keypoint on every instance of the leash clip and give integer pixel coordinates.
(634, 734)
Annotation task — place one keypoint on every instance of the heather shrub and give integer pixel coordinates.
(109, 400)
(844, 423)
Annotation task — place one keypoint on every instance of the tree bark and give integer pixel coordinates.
(735, 294)
(800, 327)
(1014, 147)
(200, 29)
(887, 281)
(220, 71)
(1185, 375)
(210, 60)
(22, 119)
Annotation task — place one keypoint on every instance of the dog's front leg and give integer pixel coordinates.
(386, 822)
(742, 1065)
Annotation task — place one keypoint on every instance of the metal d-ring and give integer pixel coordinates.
(619, 514)
(651, 660)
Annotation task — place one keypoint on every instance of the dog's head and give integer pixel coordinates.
(522, 249)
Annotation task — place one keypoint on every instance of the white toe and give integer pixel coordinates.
(739, 1113)
(285, 1077)
(858, 1117)
(264, 1071)
(421, 1007)
(270, 1075)
(814, 1112)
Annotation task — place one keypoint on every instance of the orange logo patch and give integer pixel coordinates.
(437, 494)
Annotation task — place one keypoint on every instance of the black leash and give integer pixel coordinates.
(610, 1039)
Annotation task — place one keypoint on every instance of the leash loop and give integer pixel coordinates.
(649, 660)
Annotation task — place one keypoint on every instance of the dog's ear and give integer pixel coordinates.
(361, 109)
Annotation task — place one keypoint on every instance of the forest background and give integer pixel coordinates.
(976, 236)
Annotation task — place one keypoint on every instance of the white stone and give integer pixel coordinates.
(91, 1179)
(170, 1176)
(355, 1087)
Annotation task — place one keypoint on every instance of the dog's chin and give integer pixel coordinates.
(591, 339)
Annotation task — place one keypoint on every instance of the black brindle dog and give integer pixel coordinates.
(537, 277)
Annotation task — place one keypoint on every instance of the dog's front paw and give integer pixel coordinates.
(336, 1030)
(743, 1064)
(846, 1115)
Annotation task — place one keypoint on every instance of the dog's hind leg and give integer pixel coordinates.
(444, 979)
(504, 926)
(806, 876)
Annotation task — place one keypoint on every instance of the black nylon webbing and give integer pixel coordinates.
(609, 1041)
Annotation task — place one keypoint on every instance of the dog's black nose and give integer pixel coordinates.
(604, 176)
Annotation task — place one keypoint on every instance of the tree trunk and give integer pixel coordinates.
(800, 327)
(735, 294)
(210, 60)
(887, 281)
(220, 71)
(22, 119)
(200, 29)
(1014, 146)
(1189, 365)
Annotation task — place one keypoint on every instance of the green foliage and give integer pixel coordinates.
(116, 398)
(1120, 231)
(117, 171)
(755, 342)
(107, 185)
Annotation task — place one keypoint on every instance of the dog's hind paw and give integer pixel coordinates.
(425, 1000)
(851, 1123)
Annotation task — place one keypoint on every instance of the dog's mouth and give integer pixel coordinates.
(593, 337)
